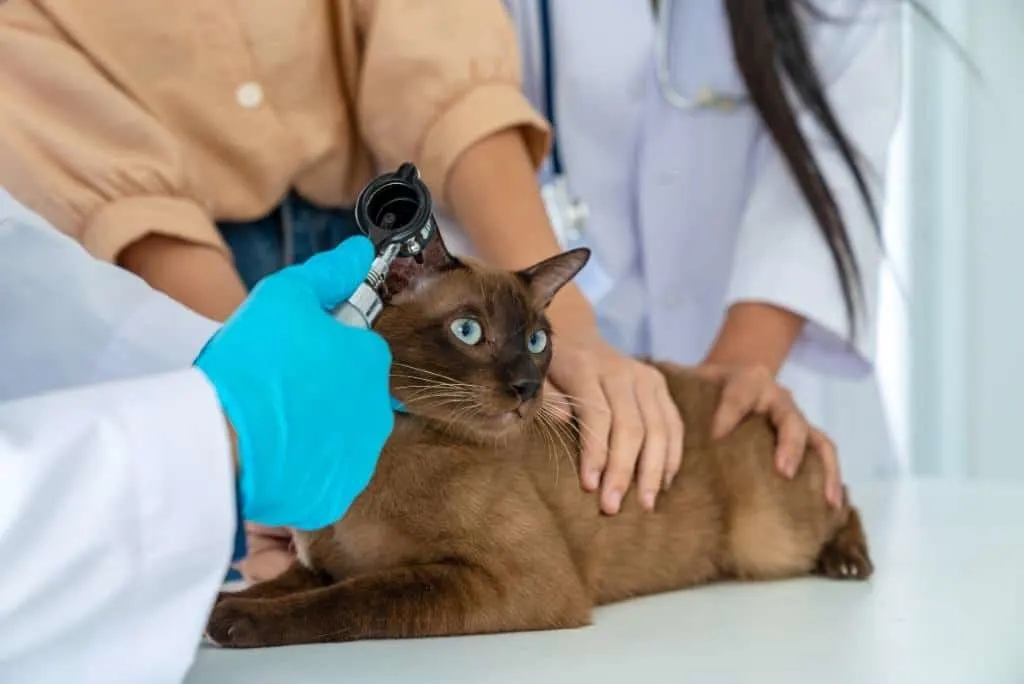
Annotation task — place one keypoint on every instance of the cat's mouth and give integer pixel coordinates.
(521, 410)
(517, 413)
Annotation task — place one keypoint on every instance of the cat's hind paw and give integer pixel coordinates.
(854, 564)
(846, 557)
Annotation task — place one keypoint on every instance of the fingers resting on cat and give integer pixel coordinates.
(752, 389)
(630, 425)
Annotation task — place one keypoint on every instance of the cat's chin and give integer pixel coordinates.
(506, 421)
(513, 418)
(478, 425)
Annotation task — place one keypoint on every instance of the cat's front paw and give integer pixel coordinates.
(232, 624)
(846, 557)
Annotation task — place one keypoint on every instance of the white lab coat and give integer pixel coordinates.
(692, 211)
(117, 509)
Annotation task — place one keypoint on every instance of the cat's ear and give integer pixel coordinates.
(436, 259)
(551, 275)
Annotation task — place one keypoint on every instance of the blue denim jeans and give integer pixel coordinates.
(294, 231)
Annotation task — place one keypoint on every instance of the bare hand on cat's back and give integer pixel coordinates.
(750, 388)
(269, 553)
(629, 423)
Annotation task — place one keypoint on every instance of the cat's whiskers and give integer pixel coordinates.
(444, 402)
(424, 371)
(543, 426)
(558, 426)
(576, 402)
(425, 385)
(556, 408)
(436, 395)
(439, 401)
(471, 405)
(556, 423)
(424, 382)
(552, 455)
(437, 388)
(474, 411)
(436, 381)
(433, 385)
(467, 412)
(428, 399)
(418, 390)
(418, 369)
(577, 425)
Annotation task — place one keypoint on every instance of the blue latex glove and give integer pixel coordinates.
(307, 396)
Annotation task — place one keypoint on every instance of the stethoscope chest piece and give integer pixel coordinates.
(567, 212)
(705, 97)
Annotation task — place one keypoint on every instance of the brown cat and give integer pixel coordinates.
(475, 521)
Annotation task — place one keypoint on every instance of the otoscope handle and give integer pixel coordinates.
(361, 309)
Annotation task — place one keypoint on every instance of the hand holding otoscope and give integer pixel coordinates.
(293, 406)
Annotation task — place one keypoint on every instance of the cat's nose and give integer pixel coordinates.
(525, 388)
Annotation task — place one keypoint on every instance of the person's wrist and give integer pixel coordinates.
(572, 316)
(199, 276)
(755, 333)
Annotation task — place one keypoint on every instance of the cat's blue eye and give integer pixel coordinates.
(538, 342)
(467, 330)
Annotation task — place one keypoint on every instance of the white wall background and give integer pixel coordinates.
(965, 212)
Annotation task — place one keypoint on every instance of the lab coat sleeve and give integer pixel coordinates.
(68, 319)
(117, 515)
(781, 257)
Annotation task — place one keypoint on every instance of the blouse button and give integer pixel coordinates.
(249, 95)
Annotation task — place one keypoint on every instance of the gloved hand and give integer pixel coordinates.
(307, 396)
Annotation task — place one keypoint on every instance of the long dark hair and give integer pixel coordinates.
(769, 45)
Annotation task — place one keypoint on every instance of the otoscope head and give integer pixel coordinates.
(396, 208)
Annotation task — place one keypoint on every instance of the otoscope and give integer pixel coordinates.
(395, 212)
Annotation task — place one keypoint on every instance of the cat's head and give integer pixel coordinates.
(471, 345)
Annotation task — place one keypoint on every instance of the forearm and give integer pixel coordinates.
(493, 191)
(199, 276)
(756, 333)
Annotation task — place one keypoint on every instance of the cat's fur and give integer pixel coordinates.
(475, 521)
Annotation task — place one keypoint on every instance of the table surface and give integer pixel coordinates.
(946, 604)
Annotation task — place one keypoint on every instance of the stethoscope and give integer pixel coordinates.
(548, 69)
(569, 214)
(704, 99)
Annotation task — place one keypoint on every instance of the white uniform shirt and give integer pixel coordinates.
(692, 211)
(117, 509)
